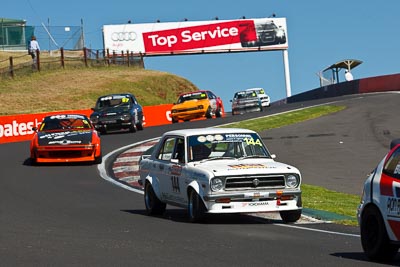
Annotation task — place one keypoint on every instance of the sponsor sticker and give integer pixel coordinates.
(261, 203)
(248, 166)
(393, 207)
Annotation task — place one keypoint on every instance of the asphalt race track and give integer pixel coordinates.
(63, 215)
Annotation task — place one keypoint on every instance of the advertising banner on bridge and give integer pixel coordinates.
(194, 37)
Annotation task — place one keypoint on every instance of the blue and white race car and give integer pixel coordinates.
(379, 210)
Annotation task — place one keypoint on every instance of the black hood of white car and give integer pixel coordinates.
(65, 138)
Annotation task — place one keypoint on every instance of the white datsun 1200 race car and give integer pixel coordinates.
(218, 170)
(379, 211)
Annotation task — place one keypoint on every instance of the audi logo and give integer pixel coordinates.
(123, 36)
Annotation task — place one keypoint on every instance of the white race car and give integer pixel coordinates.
(379, 210)
(218, 170)
(262, 96)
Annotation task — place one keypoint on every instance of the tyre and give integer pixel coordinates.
(132, 128)
(196, 208)
(374, 238)
(218, 113)
(290, 216)
(139, 126)
(99, 159)
(153, 205)
(33, 162)
(209, 113)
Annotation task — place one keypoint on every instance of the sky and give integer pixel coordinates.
(320, 33)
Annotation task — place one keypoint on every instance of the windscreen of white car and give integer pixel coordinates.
(229, 145)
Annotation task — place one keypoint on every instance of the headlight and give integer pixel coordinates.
(126, 117)
(216, 184)
(292, 181)
(94, 119)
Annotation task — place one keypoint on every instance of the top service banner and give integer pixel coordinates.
(193, 37)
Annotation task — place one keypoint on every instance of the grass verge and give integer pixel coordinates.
(339, 207)
(276, 121)
(321, 199)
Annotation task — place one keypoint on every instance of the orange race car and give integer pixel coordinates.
(196, 105)
(65, 138)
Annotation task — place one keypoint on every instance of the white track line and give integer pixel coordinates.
(316, 230)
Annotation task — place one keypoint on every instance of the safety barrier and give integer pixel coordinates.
(17, 128)
(366, 85)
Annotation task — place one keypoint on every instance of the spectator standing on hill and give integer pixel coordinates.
(33, 49)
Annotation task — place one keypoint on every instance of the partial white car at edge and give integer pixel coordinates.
(379, 211)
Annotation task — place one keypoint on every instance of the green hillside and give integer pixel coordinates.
(78, 88)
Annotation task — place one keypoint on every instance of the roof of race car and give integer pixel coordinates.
(115, 95)
(253, 89)
(195, 92)
(66, 116)
(205, 131)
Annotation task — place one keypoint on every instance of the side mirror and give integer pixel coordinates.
(34, 129)
(273, 156)
(146, 156)
(92, 109)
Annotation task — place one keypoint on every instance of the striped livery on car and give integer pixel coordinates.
(65, 138)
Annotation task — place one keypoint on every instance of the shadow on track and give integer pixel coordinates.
(180, 215)
(360, 256)
(28, 162)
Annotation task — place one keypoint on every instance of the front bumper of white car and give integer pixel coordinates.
(254, 202)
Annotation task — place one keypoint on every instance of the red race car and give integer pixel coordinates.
(65, 138)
